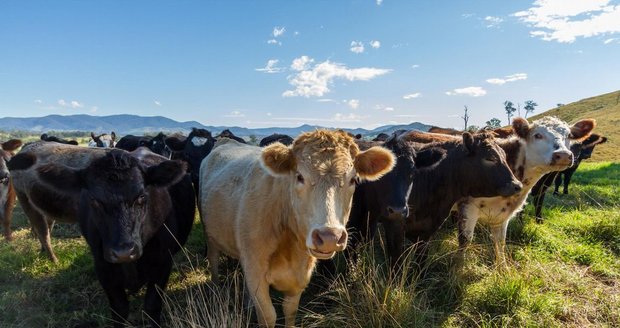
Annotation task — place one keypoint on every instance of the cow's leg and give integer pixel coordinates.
(558, 183)
(567, 177)
(539, 200)
(289, 306)
(258, 288)
(39, 225)
(109, 277)
(467, 225)
(7, 214)
(213, 255)
(395, 238)
(498, 235)
(157, 282)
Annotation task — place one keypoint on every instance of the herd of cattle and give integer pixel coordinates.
(280, 207)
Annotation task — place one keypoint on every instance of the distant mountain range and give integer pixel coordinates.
(134, 124)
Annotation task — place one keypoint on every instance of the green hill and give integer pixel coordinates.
(606, 110)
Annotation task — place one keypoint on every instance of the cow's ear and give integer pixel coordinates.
(165, 174)
(602, 140)
(113, 136)
(373, 163)
(521, 127)
(21, 161)
(278, 159)
(468, 141)
(429, 157)
(92, 135)
(11, 145)
(61, 177)
(582, 129)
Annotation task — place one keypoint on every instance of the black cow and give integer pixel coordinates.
(46, 137)
(135, 210)
(281, 138)
(194, 148)
(7, 192)
(381, 137)
(581, 151)
(156, 144)
(228, 134)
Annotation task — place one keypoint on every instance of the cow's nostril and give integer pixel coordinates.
(316, 238)
(390, 210)
(343, 238)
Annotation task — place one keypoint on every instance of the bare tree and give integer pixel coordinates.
(465, 118)
(529, 107)
(510, 110)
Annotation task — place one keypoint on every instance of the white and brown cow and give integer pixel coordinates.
(534, 150)
(278, 209)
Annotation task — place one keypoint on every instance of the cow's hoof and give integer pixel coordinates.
(539, 219)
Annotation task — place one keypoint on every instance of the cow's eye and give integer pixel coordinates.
(489, 159)
(141, 200)
(300, 178)
(538, 136)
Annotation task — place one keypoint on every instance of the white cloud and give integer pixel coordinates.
(357, 47)
(296, 33)
(268, 114)
(353, 103)
(492, 21)
(157, 103)
(379, 2)
(608, 41)
(348, 117)
(76, 104)
(270, 67)
(38, 101)
(316, 81)
(301, 63)
(565, 21)
(414, 66)
(235, 113)
(62, 102)
(278, 31)
(384, 108)
(274, 41)
(413, 95)
(469, 91)
(326, 100)
(507, 78)
(72, 104)
(375, 44)
(94, 109)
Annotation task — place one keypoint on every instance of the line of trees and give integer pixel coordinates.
(509, 107)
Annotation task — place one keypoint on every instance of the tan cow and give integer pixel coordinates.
(278, 209)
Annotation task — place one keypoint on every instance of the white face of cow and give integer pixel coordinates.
(321, 168)
(548, 141)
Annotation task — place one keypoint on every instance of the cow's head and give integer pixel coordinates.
(116, 193)
(196, 147)
(484, 172)
(587, 146)
(322, 168)
(157, 144)
(7, 151)
(103, 140)
(393, 189)
(547, 141)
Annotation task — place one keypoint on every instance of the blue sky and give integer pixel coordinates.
(285, 63)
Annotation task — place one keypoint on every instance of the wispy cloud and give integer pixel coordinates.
(274, 41)
(348, 117)
(507, 78)
(270, 67)
(493, 21)
(278, 31)
(412, 95)
(468, 91)
(357, 47)
(353, 103)
(316, 81)
(157, 103)
(94, 109)
(375, 44)
(326, 100)
(379, 2)
(414, 66)
(38, 101)
(235, 113)
(70, 104)
(565, 21)
(608, 41)
(384, 108)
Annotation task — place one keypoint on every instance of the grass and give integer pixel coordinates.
(562, 273)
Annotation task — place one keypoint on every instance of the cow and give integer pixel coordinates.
(280, 208)
(581, 151)
(449, 131)
(103, 140)
(7, 192)
(535, 149)
(194, 149)
(385, 200)
(135, 210)
(46, 137)
(381, 137)
(281, 138)
(474, 166)
(228, 134)
(156, 144)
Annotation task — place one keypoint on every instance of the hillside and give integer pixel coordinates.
(606, 110)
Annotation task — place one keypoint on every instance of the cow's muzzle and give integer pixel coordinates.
(397, 212)
(127, 252)
(562, 159)
(327, 241)
(511, 188)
